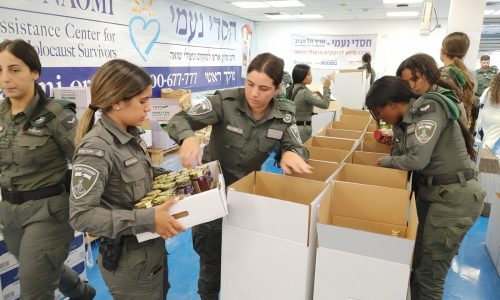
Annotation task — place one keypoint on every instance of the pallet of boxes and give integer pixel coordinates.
(347, 231)
(156, 125)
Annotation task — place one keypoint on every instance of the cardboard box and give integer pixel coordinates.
(323, 170)
(333, 106)
(198, 208)
(371, 127)
(331, 143)
(332, 155)
(357, 258)
(341, 133)
(355, 119)
(369, 137)
(160, 137)
(269, 239)
(183, 96)
(347, 125)
(374, 146)
(355, 112)
(364, 158)
(147, 136)
(79, 95)
(163, 109)
(372, 175)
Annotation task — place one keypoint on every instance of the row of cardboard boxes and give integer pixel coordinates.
(9, 268)
(331, 236)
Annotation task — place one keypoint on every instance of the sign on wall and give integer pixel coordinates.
(331, 51)
(181, 45)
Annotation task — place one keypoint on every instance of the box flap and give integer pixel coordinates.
(333, 155)
(348, 126)
(365, 225)
(372, 175)
(323, 170)
(355, 112)
(369, 202)
(341, 133)
(374, 146)
(368, 244)
(331, 143)
(366, 158)
(355, 119)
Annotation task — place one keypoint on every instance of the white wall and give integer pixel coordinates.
(396, 39)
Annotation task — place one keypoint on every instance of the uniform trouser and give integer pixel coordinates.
(38, 234)
(305, 132)
(142, 273)
(207, 240)
(445, 215)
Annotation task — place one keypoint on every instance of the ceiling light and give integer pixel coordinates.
(309, 16)
(402, 1)
(281, 17)
(488, 12)
(496, 13)
(402, 13)
(248, 4)
(292, 3)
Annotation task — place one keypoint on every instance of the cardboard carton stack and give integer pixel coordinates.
(346, 231)
(79, 95)
(9, 268)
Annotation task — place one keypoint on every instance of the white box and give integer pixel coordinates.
(10, 284)
(269, 238)
(163, 109)
(201, 208)
(80, 95)
(160, 137)
(357, 258)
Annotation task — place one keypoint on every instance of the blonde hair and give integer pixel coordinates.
(115, 81)
(494, 92)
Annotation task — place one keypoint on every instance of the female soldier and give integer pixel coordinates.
(422, 73)
(453, 50)
(367, 65)
(305, 99)
(111, 172)
(36, 143)
(246, 125)
(429, 141)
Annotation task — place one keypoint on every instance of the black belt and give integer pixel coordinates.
(303, 123)
(21, 197)
(130, 242)
(445, 179)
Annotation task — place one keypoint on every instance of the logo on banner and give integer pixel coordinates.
(143, 34)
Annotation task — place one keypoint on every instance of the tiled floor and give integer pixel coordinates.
(472, 275)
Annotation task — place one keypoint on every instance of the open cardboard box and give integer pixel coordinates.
(347, 125)
(355, 112)
(371, 127)
(374, 146)
(357, 258)
(333, 155)
(372, 175)
(341, 133)
(364, 158)
(331, 143)
(269, 239)
(369, 137)
(323, 170)
(198, 208)
(355, 119)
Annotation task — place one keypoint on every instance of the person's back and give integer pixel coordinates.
(367, 65)
(489, 117)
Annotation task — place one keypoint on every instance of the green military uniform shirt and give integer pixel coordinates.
(484, 78)
(428, 140)
(305, 100)
(238, 141)
(111, 172)
(37, 157)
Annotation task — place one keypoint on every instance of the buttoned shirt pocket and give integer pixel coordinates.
(234, 139)
(267, 144)
(33, 150)
(134, 183)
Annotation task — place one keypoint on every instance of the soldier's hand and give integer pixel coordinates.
(292, 161)
(189, 152)
(166, 225)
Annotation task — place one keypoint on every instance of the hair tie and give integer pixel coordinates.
(93, 108)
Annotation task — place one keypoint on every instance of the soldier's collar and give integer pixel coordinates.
(122, 136)
(29, 108)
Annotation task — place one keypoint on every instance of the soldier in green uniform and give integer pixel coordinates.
(285, 83)
(112, 171)
(429, 141)
(246, 125)
(305, 100)
(484, 75)
(36, 145)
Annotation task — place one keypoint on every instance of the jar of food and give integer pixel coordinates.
(184, 186)
(199, 180)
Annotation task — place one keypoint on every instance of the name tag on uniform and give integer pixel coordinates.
(130, 161)
(35, 131)
(234, 129)
(410, 129)
(274, 134)
(91, 152)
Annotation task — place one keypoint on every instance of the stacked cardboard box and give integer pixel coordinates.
(9, 268)
(79, 95)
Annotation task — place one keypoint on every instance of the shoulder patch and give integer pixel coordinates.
(424, 130)
(294, 129)
(201, 108)
(69, 121)
(91, 152)
(429, 107)
(287, 118)
(83, 180)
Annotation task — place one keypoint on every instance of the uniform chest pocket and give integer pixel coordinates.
(134, 183)
(31, 141)
(235, 139)
(267, 144)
